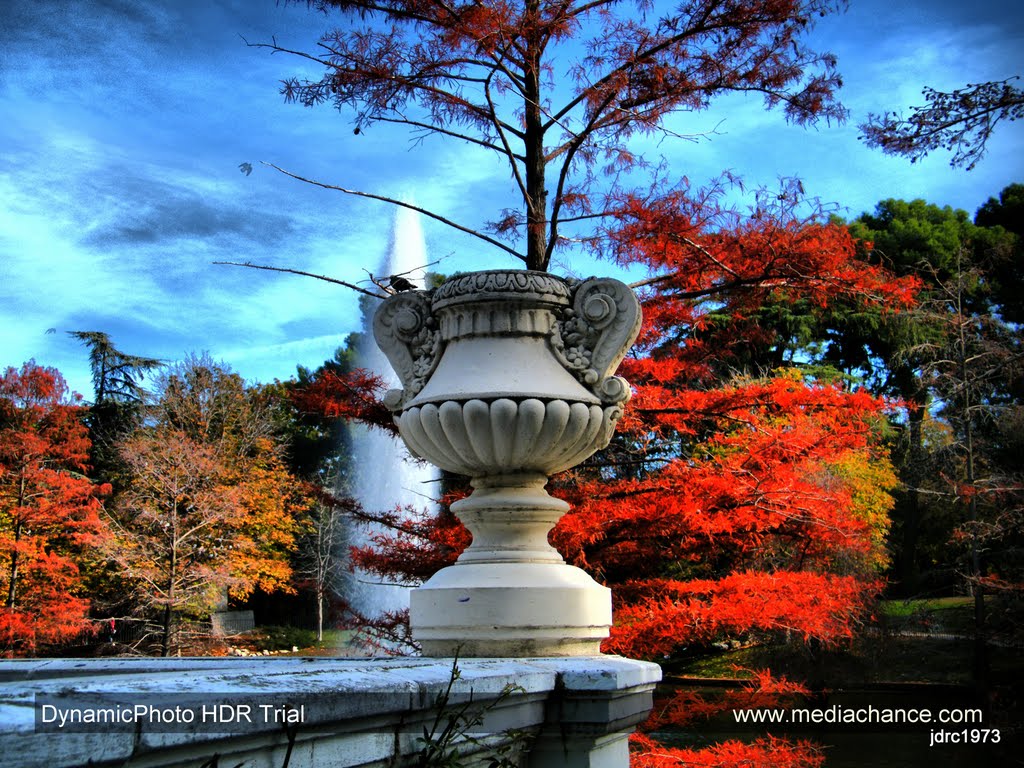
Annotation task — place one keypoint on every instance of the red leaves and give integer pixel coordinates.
(763, 476)
(416, 545)
(685, 707)
(356, 395)
(754, 489)
(658, 617)
(48, 509)
(703, 249)
(726, 286)
(768, 752)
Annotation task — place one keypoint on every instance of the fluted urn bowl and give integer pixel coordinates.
(503, 436)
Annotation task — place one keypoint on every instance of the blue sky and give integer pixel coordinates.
(122, 125)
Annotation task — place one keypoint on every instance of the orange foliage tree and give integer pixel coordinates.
(209, 508)
(212, 406)
(734, 502)
(49, 509)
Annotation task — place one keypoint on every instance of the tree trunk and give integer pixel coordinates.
(165, 641)
(980, 639)
(165, 649)
(909, 573)
(980, 630)
(12, 584)
(319, 614)
(537, 196)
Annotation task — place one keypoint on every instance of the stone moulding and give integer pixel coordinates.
(508, 377)
(407, 333)
(539, 287)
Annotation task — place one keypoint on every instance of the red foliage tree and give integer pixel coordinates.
(754, 511)
(48, 509)
(733, 502)
(556, 88)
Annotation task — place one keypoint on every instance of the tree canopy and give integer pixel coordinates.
(208, 509)
(1006, 272)
(556, 88)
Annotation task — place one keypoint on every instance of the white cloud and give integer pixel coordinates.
(120, 181)
(266, 362)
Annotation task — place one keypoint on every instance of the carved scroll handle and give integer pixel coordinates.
(596, 333)
(407, 334)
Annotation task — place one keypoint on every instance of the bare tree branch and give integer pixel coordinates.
(961, 121)
(410, 206)
(250, 265)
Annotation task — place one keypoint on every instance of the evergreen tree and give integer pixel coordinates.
(119, 399)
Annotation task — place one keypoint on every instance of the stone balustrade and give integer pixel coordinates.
(568, 712)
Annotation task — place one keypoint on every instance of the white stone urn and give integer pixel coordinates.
(508, 378)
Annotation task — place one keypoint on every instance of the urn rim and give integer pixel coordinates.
(529, 286)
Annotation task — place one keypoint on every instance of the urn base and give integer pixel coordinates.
(510, 609)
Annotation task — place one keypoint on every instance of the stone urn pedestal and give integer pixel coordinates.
(508, 378)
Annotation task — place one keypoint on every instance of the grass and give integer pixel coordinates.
(281, 640)
(336, 642)
(904, 608)
(893, 651)
(954, 615)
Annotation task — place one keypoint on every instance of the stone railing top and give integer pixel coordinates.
(357, 695)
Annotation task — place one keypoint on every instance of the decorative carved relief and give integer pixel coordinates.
(516, 285)
(593, 336)
(406, 332)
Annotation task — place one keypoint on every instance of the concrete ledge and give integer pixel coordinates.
(315, 711)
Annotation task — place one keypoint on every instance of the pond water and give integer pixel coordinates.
(877, 741)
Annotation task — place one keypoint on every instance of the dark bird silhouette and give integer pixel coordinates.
(398, 284)
(245, 168)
